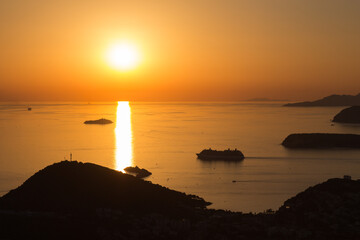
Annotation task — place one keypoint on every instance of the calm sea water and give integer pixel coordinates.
(164, 137)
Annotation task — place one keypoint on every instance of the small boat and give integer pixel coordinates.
(29, 108)
(226, 155)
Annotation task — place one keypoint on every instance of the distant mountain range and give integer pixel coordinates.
(265, 100)
(332, 100)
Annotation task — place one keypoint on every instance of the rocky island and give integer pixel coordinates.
(348, 115)
(322, 140)
(99, 121)
(138, 172)
(333, 100)
(73, 200)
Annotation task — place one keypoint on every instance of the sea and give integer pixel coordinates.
(164, 137)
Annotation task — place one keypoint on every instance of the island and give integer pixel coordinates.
(138, 172)
(333, 100)
(99, 121)
(348, 115)
(322, 140)
(226, 155)
(74, 200)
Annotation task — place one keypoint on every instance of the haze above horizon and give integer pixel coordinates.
(178, 50)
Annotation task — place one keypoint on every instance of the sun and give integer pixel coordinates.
(123, 56)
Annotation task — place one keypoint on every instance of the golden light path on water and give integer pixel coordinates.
(123, 137)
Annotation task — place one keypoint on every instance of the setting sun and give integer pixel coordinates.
(123, 56)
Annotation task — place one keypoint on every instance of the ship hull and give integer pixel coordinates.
(219, 157)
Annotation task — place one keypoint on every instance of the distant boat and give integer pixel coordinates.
(29, 108)
(99, 121)
(227, 155)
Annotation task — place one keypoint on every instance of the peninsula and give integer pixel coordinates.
(348, 115)
(329, 101)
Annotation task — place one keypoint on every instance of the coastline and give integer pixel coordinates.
(311, 214)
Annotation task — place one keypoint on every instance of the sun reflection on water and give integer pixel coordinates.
(123, 137)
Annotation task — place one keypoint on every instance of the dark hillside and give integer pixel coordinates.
(74, 186)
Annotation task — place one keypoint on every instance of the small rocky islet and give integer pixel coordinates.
(100, 121)
(138, 172)
(73, 200)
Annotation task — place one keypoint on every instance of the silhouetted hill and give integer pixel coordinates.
(348, 115)
(333, 100)
(75, 186)
(332, 207)
(322, 140)
(330, 210)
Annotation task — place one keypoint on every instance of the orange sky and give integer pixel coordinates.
(192, 50)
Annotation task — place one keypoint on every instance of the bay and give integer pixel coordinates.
(164, 137)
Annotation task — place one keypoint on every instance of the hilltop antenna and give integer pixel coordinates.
(70, 156)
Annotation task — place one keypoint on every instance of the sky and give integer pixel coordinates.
(190, 50)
